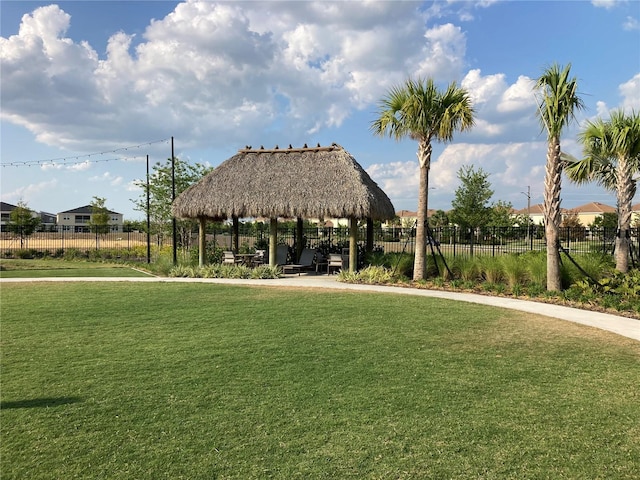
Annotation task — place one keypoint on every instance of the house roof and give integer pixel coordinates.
(410, 214)
(536, 209)
(316, 182)
(7, 207)
(88, 209)
(594, 207)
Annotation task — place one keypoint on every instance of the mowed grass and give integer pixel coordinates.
(201, 381)
(17, 268)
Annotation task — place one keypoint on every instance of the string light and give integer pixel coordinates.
(65, 161)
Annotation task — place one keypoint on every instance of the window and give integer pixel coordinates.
(83, 218)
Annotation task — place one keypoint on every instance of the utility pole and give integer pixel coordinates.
(173, 197)
(528, 194)
(148, 216)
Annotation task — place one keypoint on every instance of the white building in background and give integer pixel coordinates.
(78, 220)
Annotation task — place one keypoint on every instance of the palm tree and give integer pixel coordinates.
(556, 109)
(418, 110)
(612, 158)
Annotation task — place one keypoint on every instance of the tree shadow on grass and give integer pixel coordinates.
(40, 402)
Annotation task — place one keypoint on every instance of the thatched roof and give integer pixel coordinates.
(316, 182)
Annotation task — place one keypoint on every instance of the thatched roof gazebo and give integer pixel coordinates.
(308, 182)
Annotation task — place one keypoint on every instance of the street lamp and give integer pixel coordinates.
(528, 194)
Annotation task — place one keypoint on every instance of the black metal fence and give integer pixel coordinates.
(451, 241)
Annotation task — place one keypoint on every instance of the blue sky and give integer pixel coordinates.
(83, 77)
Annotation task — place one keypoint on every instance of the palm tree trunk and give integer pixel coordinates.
(624, 189)
(552, 217)
(424, 158)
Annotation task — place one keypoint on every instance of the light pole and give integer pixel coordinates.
(528, 194)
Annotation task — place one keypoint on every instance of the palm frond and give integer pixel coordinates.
(559, 99)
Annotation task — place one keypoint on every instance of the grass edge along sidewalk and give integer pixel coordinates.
(627, 327)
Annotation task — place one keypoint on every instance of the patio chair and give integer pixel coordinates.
(321, 261)
(260, 257)
(307, 258)
(229, 258)
(334, 261)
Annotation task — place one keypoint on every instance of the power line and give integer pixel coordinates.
(68, 160)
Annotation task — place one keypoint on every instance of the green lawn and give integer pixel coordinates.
(201, 381)
(15, 268)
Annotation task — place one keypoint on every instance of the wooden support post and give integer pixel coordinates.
(353, 244)
(273, 242)
(202, 240)
(235, 234)
(369, 245)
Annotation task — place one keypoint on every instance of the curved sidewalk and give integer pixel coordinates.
(626, 327)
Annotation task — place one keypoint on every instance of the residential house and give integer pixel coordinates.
(588, 212)
(635, 214)
(536, 213)
(79, 219)
(5, 215)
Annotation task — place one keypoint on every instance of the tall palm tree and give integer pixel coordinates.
(556, 109)
(418, 110)
(611, 158)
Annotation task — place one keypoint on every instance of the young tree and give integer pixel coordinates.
(556, 109)
(161, 191)
(471, 198)
(23, 222)
(612, 158)
(420, 111)
(99, 222)
(439, 219)
(501, 215)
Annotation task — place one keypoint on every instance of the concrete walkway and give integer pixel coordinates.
(626, 327)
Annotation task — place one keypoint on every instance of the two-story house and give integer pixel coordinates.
(79, 219)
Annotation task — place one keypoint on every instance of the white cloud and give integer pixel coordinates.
(630, 92)
(519, 96)
(399, 180)
(443, 53)
(608, 4)
(108, 177)
(631, 23)
(218, 73)
(501, 108)
(29, 192)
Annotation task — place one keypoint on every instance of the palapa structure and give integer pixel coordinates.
(308, 182)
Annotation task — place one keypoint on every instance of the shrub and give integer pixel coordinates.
(266, 272)
(514, 269)
(466, 268)
(491, 269)
(536, 266)
(26, 253)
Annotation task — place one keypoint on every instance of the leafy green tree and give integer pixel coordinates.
(439, 219)
(556, 109)
(99, 222)
(23, 222)
(134, 225)
(607, 220)
(612, 158)
(501, 215)
(160, 196)
(471, 199)
(418, 110)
